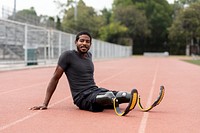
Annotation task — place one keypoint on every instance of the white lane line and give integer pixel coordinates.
(25, 87)
(114, 75)
(35, 113)
(143, 122)
(29, 116)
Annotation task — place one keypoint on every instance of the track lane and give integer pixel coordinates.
(177, 112)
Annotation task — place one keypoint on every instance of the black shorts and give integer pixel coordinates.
(87, 100)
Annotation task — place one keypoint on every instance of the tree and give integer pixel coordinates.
(106, 16)
(186, 27)
(113, 33)
(129, 16)
(123, 3)
(58, 23)
(159, 16)
(133, 19)
(27, 16)
(187, 2)
(87, 19)
(147, 22)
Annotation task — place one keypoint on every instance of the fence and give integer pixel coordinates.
(28, 44)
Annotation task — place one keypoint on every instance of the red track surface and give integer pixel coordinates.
(177, 113)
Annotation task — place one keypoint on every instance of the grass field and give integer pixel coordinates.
(196, 62)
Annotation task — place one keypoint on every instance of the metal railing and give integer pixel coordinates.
(28, 44)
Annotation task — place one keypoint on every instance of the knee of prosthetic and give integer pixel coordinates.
(105, 98)
(123, 97)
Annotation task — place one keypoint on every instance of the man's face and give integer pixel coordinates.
(83, 44)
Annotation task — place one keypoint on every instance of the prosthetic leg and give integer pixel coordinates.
(108, 98)
(158, 100)
(105, 98)
(123, 97)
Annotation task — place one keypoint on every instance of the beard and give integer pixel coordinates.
(83, 49)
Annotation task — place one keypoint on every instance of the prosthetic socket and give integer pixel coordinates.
(106, 98)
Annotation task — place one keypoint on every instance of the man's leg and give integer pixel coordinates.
(106, 98)
(123, 97)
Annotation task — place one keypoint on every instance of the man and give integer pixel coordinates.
(78, 67)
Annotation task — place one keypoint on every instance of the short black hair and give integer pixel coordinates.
(83, 33)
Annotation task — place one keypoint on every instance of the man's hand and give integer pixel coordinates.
(42, 107)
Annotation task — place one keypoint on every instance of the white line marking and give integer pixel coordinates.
(143, 122)
(34, 114)
(30, 116)
(112, 76)
(22, 88)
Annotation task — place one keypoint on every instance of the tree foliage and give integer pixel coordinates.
(125, 12)
(26, 15)
(159, 16)
(86, 19)
(113, 33)
(147, 22)
(133, 19)
(186, 27)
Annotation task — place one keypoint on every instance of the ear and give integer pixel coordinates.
(75, 42)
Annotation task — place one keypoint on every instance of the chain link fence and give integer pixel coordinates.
(26, 44)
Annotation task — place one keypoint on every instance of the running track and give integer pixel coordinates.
(179, 112)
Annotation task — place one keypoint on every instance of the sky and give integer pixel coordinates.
(48, 7)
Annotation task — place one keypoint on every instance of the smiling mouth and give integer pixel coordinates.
(83, 48)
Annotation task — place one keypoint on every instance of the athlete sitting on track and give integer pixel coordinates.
(79, 69)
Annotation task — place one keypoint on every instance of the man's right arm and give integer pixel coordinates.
(50, 89)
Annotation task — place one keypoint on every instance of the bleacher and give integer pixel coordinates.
(11, 41)
(25, 43)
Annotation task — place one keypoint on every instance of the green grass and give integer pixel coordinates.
(196, 62)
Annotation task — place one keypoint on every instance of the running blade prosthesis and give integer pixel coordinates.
(136, 99)
(158, 100)
(131, 105)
